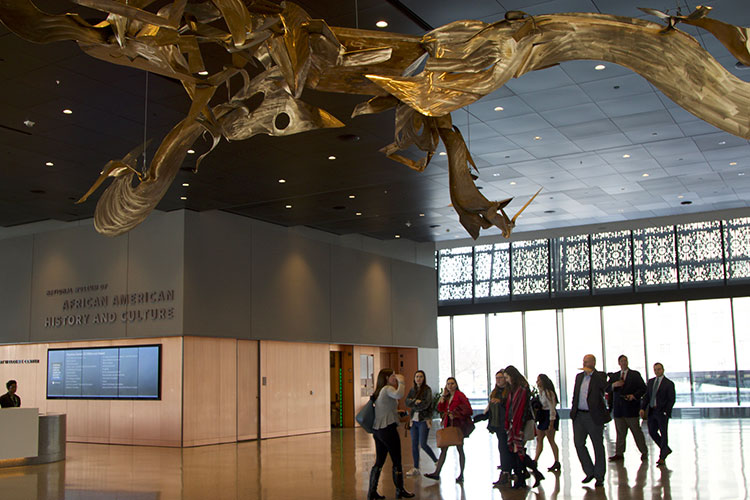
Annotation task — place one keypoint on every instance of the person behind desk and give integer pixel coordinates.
(10, 399)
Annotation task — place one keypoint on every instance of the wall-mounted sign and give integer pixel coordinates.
(100, 306)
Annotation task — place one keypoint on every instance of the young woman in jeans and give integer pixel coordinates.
(389, 389)
(419, 402)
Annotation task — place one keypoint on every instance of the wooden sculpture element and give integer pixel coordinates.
(278, 50)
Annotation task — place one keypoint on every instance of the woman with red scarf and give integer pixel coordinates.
(456, 411)
(518, 411)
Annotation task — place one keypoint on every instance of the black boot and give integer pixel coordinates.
(538, 476)
(398, 480)
(372, 491)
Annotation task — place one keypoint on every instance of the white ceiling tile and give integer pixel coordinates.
(563, 97)
(583, 113)
(602, 142)
(623, 106)
(549, 78)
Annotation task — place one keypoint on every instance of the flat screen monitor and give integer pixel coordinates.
(127, 372)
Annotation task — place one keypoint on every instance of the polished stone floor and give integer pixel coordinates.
(711, 460)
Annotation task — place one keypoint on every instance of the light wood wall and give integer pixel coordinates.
(248, 398)
(209, 408)
(294, 390)
(156, 423)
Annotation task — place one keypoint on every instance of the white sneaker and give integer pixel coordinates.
(413, 472)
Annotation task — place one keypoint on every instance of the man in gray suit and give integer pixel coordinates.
(589, 414)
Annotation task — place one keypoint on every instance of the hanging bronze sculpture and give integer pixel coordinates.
(278, 50)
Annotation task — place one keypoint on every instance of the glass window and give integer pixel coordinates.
(737, 242)
(444, 349)
(611, 261)
(541, 346)
(741, 308)
(700, 252)
(530, 267)
(654, 257)
(506, 341)
(455, 274)
(470, 351)
(572, 264)
(492, 271)
(623, 334)
(712, 352)
(666, 342)
(582, 328)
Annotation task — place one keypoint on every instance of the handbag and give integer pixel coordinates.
(528, 430)
(366, 416)
(449, 436)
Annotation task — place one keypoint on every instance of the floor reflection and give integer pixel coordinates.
(708, 462)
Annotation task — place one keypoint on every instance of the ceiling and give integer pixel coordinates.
(586, 120)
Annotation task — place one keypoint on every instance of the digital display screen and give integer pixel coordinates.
(132, 372)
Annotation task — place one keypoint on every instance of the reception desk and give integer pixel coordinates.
(30, 438)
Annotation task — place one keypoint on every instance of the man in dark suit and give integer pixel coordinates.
(10, 399)
(589, 414)
(627, 388)
(659, 401)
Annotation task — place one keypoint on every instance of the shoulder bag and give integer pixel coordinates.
(366, 416)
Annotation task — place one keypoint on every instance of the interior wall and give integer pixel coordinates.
(157, 423)
(248, 399)
(294, 388)
(209, 408)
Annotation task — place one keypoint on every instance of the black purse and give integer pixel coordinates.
(366, 416)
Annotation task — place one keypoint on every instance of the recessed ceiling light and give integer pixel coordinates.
(191, 151)
(626, 156)
(644, 175)
(50, 164)
(421, 215)
(537, 138)
(183, 198)
(397, 236)
(282, 181)
(495, 175)
(599, 67)
(512, 183)
(185, 184)
(499, 108)
(288, 206)
(351, 196)
(741, 173)
(68, 111)
(442, 153)
(358, 214)
(381, 24)
(733, 163)
(680, 197)
(331, 157)
(203, 73)
(721, 143)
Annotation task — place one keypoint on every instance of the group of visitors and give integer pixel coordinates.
(516, 416)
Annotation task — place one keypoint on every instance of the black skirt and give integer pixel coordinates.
(543, 421)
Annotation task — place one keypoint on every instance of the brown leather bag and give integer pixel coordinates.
(449, 436)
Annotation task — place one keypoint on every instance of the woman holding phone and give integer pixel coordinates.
(456, 410)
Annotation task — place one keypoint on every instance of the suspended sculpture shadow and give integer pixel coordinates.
(277, 50)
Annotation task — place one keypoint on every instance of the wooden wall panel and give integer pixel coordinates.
(209, 410)
(104, 421)
(295, 398)
(247, 390)
(359, 398)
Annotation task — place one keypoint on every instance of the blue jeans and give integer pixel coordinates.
(419, 433)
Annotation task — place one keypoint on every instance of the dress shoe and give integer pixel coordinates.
(433, 475)
(587, 479)
(616, 458)
(599, 483)
(555, 467)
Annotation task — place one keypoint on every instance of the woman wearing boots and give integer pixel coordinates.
(496, 410)
(517, 414)
(547, 421)
(419, 402)
(456, 410)
(389, 389)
